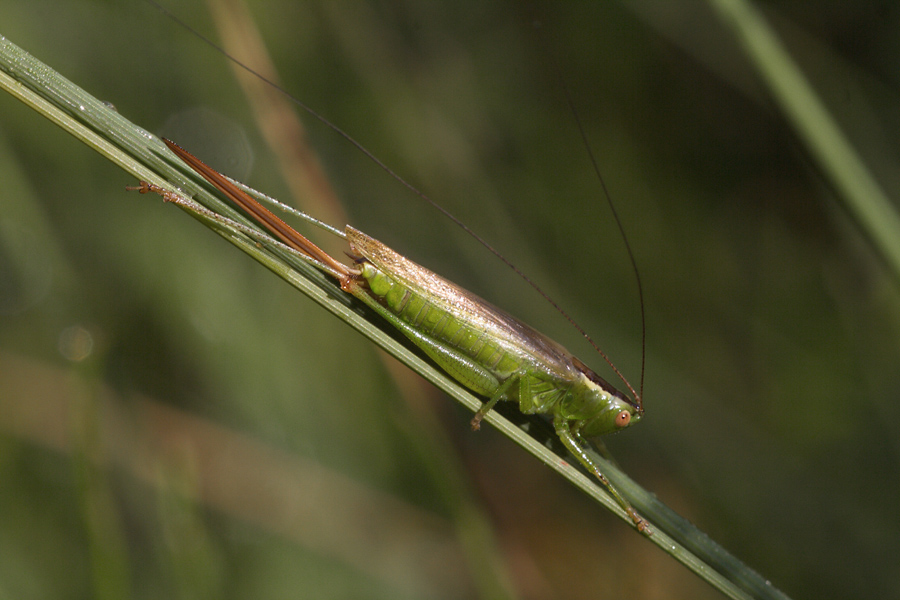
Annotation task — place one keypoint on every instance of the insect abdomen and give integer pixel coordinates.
(437, 323)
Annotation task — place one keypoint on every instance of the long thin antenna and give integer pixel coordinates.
(618, 220)
(368, 154)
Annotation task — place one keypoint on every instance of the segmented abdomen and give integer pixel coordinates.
(439, 324)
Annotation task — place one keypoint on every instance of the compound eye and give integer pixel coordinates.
(623, 419)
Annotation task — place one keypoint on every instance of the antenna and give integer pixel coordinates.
(380, 164)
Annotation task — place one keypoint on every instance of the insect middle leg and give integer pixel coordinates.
(487, 406)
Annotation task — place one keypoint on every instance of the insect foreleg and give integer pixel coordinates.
(575, 443)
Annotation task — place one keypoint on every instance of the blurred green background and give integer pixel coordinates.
(177, 422)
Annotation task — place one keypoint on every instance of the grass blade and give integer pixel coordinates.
(799, 102)
(145, 157)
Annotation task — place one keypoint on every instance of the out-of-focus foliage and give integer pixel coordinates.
(176, 421)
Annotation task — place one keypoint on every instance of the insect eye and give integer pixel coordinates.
(623, 418)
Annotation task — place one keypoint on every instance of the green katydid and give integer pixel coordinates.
(485, 349)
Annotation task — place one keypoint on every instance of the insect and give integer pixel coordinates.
(485, 349)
